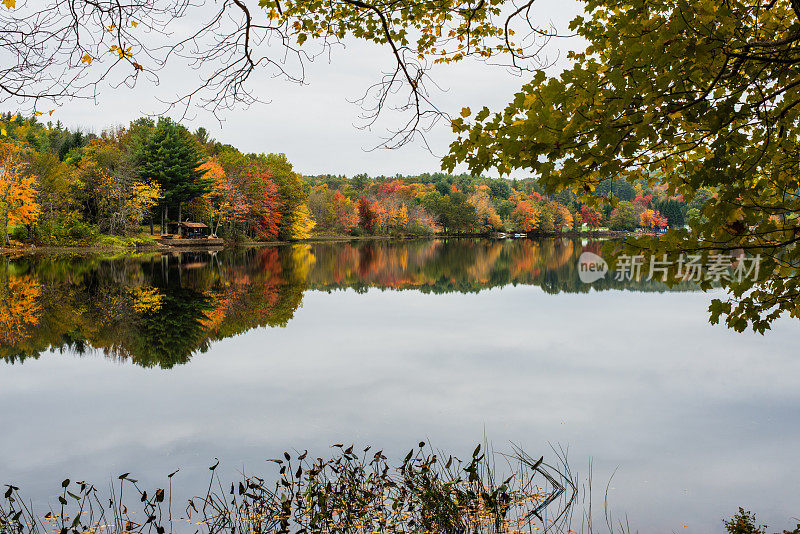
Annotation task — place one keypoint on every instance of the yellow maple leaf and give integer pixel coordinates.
(37, 113)
(10, 4)
(3, 131)
(87, 59)
(50, 112)
(134, 23)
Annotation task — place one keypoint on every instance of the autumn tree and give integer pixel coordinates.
(20, 307)
(402, 216)
(225, 201)
(367, 218)
(525, 217)
(562, 218)
(343, 212)
(487, 218)
(17, 188)
(112, 192)
(253, 195)
(302, 222)
(266, 204)
(58, 188)
(591, 216)
(652, 219)
(294, 221)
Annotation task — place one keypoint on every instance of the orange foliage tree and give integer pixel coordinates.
(525, 217)
(562, 218)
(225, 201)
(17, 188)
(488, 219)
(652, 219)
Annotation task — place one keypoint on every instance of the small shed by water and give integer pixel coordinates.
(189, 229)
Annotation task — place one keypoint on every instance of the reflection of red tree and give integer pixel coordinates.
(593, 246)
(271, 276)
(247, 293)
(376, 264)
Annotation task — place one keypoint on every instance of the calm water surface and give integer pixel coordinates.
(152, 363)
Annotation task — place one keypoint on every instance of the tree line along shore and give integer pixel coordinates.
(63, 187)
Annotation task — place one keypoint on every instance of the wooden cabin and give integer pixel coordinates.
(189, 230)
(190, 234)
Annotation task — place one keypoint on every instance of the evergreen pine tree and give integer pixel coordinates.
(171, 158)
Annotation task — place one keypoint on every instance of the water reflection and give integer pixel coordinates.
(160, 309)
(694, 419)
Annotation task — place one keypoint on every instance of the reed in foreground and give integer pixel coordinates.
(349, 492)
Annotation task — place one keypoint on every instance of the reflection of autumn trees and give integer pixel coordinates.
(159, 310)
(19, 307)
(462, 265)
(153, 310)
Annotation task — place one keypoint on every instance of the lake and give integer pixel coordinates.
(153, 362)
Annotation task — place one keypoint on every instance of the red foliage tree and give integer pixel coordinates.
(366, 214)
(591, 216)
(268, 202)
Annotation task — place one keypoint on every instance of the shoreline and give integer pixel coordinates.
(88, 249)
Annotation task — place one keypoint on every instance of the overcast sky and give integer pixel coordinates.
(315, 125)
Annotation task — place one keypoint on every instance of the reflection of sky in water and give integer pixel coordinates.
(698, 419)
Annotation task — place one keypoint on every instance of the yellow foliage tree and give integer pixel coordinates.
(303, 223)
(402, 217)
(562, 218)
(488, 218)
(144, 197)
(17, 188)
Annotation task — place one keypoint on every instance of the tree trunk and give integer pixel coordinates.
(180, 211)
